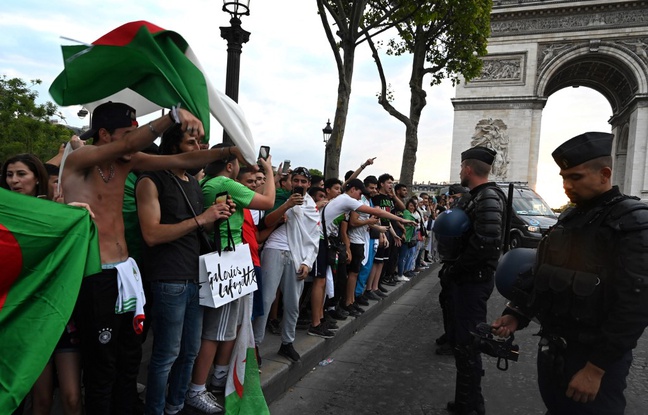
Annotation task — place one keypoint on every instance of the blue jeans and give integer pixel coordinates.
(177, 325)
(404, 258)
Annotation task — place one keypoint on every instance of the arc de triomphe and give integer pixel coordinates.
(538, 47)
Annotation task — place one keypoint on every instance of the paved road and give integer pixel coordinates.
(389, 367)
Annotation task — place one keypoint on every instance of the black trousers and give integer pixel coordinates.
(466, 308)
(555, 372)
(111, 351)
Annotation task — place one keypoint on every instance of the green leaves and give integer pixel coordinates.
(25, 126)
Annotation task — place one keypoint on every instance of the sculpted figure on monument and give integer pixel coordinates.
(493, 134)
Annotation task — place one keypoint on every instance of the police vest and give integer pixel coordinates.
(575, 263)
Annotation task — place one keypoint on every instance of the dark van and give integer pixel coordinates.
(532, 216)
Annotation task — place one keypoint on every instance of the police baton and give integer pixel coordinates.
(509, 218)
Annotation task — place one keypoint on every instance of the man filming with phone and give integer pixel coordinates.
(288, 256)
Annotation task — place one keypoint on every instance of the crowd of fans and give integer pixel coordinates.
(322, 250)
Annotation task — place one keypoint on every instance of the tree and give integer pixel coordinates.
(315, 172)
(352, 28)
(25, 126)
(446, 39)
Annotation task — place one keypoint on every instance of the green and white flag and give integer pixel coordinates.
(46, 248)
(243, 394)
(148, 68)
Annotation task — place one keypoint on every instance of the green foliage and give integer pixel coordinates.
(454, 33)
(316, 172)
(25, 126)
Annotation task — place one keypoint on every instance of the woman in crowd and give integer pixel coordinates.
(26, 174)
(408, 240)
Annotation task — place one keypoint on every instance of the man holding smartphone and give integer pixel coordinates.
(288, 256)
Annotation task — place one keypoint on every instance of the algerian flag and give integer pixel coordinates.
(46, 248)
(148, 68)
(243, 394)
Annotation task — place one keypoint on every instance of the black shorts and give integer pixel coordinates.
(319, 267)
(357, 255)
(382, 254)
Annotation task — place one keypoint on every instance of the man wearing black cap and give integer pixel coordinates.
(95, 174)
(589, 288)
(468, 276)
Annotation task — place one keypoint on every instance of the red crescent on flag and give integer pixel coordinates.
(237, 383)
(11, 260)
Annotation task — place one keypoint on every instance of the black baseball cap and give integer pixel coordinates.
(110, 115)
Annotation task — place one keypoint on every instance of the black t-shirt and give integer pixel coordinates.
(178, 259)
(385, 202)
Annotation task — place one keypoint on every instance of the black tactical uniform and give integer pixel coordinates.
(469, 280)
(589, 293)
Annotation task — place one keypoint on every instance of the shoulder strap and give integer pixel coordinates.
(201, 229)
(324, 224)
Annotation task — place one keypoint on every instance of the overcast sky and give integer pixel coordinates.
(288, 86)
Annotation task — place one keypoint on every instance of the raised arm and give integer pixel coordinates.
(126, 141)
(359, 170)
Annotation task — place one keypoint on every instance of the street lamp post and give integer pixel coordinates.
(326, 134)
(236, 37)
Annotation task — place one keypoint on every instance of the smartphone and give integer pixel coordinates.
(298, 190)
(286, 167)
(221, 197)
(264, 152)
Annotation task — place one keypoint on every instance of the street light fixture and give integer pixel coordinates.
(326, 135)
(236, 37)
(82, 113)
(327, 131)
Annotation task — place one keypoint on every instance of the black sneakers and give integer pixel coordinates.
(362, 300)
(329, 325)
(320, 331)
(353, 312)
(338, 314)
(288, 351)
(370, 295)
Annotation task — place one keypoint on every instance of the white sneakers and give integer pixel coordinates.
(203, 401)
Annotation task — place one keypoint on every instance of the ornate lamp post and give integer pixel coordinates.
(326, 134)
(236, 37)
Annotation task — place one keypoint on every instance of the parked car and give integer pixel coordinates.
(531, 218)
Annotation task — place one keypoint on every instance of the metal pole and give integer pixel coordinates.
(236, 37)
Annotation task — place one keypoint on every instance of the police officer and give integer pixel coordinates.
(469, 276)
(589, 286)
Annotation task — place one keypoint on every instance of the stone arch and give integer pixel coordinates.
(538, 48)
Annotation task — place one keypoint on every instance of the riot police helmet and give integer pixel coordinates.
(513, 264)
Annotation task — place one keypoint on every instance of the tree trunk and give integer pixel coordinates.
(334, 145)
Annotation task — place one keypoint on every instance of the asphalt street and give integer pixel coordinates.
(390, 367)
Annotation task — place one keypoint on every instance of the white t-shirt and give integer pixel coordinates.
(357, 234)
(335, 212)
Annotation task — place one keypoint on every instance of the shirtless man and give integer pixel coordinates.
(95, 174)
